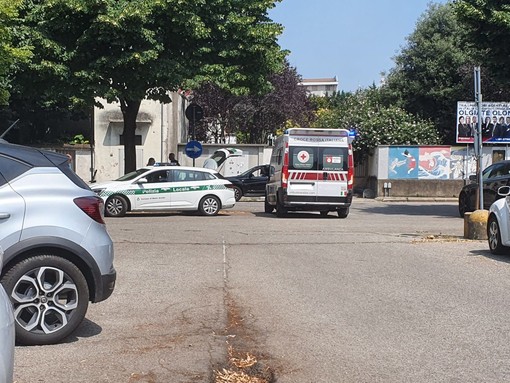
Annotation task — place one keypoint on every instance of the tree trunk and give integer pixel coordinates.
(129, 112)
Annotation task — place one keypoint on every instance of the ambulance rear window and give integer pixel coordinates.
(333, 159)
(318, 158)
(303, 158)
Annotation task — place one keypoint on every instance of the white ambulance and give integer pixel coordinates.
(311, 170)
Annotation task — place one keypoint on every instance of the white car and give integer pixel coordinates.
(6, 335)
(498, 224)
(167, 188)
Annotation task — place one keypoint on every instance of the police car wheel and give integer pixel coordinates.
(209, 205)
(116, 206)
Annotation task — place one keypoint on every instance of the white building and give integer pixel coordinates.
(160, 128)
(320, 86)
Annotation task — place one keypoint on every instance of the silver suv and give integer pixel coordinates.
(58, 255)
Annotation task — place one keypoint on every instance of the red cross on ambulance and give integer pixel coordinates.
(303, 156)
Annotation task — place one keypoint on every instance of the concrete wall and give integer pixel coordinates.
(434, 171)
(419, 188)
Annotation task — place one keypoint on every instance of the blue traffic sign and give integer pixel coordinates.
(193, 149)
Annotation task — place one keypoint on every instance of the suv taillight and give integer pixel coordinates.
(92, 206)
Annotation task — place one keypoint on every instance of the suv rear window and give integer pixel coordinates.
(12, 168)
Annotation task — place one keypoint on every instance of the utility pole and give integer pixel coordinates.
(478, 136)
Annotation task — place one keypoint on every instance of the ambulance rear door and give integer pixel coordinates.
(332, 178)
(319, 173)
(302, 178)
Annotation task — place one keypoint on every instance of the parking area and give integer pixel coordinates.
(393, 293)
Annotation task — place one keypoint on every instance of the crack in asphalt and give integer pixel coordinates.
(240, 339)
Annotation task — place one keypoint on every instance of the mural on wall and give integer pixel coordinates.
(428, 162)
(434, 162)
(438, 162)
(403, 162)
(463, 162)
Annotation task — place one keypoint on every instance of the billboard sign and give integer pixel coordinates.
(495, 122)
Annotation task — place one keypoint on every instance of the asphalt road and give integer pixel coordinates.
(392, 294)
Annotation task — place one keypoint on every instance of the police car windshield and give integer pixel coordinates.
(132, 175)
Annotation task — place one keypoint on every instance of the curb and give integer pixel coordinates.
(417, 199)
(379, 199)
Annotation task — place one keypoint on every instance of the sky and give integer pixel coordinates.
(354, 40)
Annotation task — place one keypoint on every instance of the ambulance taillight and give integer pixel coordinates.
(350, 171)
(285, 166)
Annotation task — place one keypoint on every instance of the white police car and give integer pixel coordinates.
(167, 188)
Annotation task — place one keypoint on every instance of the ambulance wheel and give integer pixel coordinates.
(268, 208)
(280, 210)
(343, 212)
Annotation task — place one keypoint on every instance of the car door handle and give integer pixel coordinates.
(4, 215)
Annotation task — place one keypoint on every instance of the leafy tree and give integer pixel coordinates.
(487, 23)
(9, 55)
(252, 118)
(218, 105)
(262, 115)
(434, 70)
(374, 123)
(129, 50)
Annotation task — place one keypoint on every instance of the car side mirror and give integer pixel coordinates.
(473, 178)
(504, 191)
(271, 171)
(142, 180)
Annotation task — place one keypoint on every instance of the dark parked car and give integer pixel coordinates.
(251, 183)
(494, 176)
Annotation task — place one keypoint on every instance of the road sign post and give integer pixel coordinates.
(194, 113)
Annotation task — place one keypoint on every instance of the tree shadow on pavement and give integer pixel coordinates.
(433, 209)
